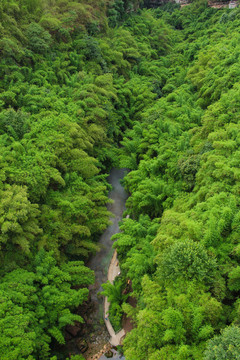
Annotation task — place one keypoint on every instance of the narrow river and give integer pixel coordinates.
(100, 262)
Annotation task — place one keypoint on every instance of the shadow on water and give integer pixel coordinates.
(100, 262)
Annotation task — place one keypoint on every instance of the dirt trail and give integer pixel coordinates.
(112, 273)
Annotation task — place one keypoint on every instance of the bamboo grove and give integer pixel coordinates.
(88, 85)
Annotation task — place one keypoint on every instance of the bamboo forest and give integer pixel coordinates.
(148, 89)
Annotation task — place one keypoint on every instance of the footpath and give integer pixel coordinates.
(113, 271)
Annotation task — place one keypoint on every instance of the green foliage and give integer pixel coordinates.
(115, 12)
(37, 304)
(19, 223)
(114, 294)
(182, 150)
(187, 260)
(164, 85)
(15, 124)
(170, 317)
(38, 38)
(224, 346)
(135, 250)
(76, 357)
(234, 279)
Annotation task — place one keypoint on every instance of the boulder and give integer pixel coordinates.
(73, 329)
(109, 354)
(68, 336)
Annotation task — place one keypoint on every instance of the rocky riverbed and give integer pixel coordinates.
(91, 338)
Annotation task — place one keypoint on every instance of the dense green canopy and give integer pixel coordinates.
(87, 85)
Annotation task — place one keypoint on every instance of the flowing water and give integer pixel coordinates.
(100, 262)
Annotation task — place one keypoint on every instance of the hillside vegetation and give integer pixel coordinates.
(87, 85)
(180, 247)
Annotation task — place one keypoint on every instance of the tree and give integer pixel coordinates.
(116, 297)
(38, 38)
(224, 346)
(187, 260)
(19, 226)
(234, 279)
(18, 338)
(15, 124)
(37, 305)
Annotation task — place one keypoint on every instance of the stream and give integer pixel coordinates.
(100, 263)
